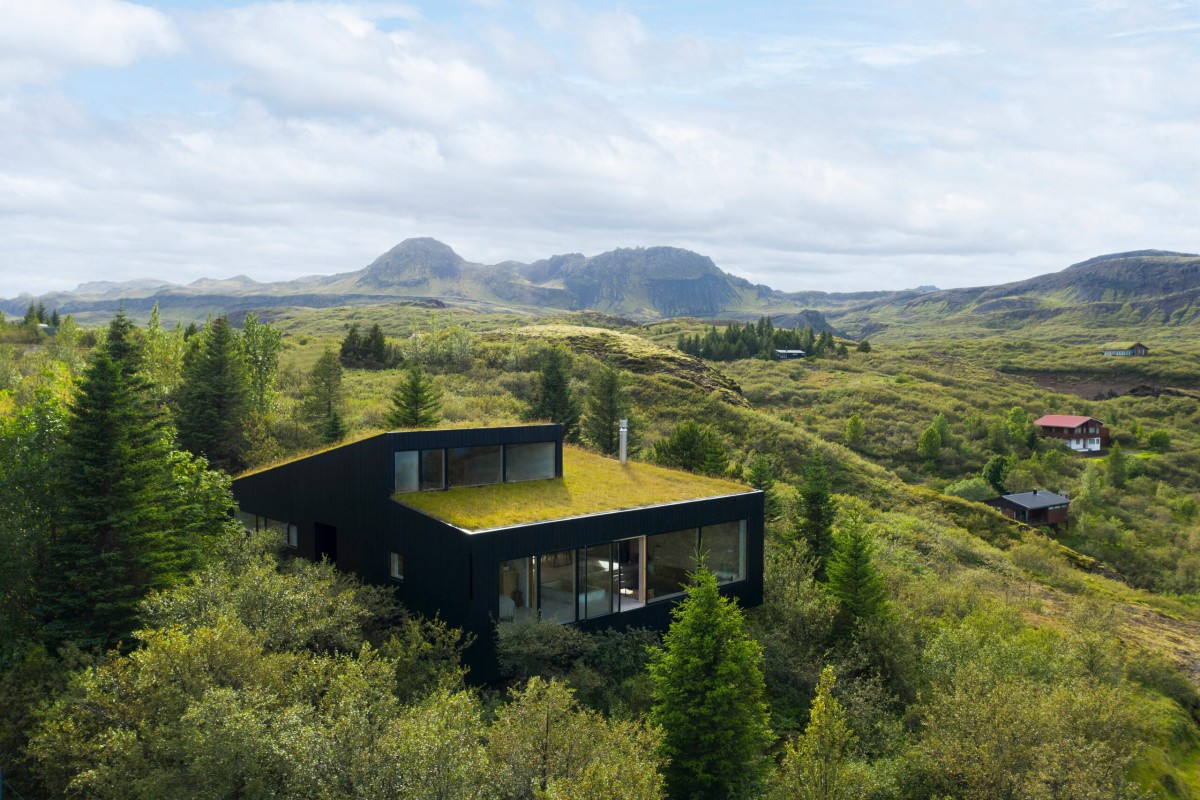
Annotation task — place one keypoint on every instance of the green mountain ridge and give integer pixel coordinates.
(1138, 294)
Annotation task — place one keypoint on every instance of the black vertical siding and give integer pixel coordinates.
(452, 573)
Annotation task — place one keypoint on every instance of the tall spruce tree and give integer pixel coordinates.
(605, 405)
(853, 578)
(416, 401)
(709, 698)
(323, 393)
(555, 401)
(814, 521)
(214, 398)
(117, 539)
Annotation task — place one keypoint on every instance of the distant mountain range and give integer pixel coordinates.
(661, 282)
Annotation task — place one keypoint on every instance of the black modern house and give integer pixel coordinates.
(481, 527)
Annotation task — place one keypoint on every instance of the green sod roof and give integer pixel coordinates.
(1121, 345)
(591, 484)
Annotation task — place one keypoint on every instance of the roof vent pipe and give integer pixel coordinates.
(624, 441)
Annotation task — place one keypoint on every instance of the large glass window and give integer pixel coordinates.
(249, 521)
(407, 471)
(724, 547)
(475, 466)
(529, 462)
(518, 589)
(433, 469)
(558, 586)
(598, 582)
(669, 559)
(630, 567)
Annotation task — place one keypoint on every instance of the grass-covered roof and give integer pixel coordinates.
(590, 484)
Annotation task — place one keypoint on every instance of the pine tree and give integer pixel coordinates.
(692, 447)
(555, 402)
(853, 579)
(416, 402)
(214, 398)
(374, 348)
(350, 353)
(118, 537)
(709, 698)
(323, 393)
(605, 405)
(816, 512)
(334, 429)
(762, 477)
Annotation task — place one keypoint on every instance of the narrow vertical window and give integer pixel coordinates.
(292, 537)
(396, 566)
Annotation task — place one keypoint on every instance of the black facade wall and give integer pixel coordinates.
(349, 488)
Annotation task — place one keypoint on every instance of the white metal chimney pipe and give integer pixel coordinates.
(624, 440)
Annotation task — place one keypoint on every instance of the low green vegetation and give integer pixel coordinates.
(590, 483)
(913, 643)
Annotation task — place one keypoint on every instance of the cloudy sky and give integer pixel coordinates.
(806, 145)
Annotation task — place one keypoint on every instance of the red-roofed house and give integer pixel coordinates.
(1082, 434)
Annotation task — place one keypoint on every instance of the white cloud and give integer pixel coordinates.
(42, 39)
(325, 58)
(957, 151)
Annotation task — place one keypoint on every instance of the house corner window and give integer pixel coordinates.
(396, 566)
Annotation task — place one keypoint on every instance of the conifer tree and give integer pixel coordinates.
(416, 401)
(762, 477)
(334, 428)
(214, 398)
(814, 523)
(323, 393)
(709, 698)
(605, 405)
(692, 447)
(555, 401)
(853, 579)
(117, 539)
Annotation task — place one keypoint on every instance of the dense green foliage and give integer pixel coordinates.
(709, 698)
(757, 340)
(124, 528)
(693, 447)
(990, 661)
